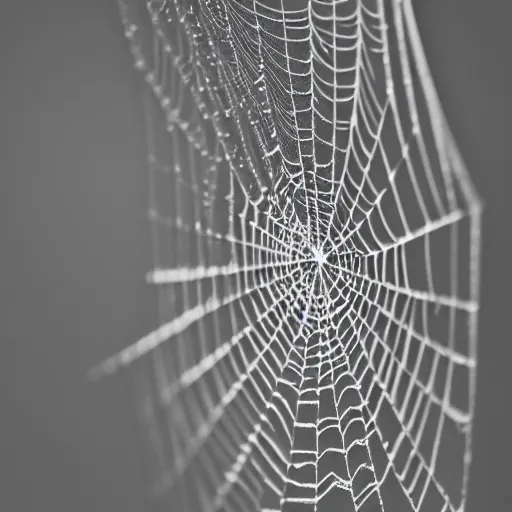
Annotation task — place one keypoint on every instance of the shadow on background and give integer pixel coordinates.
(76, 243)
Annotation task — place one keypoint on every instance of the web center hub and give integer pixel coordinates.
(319, 255)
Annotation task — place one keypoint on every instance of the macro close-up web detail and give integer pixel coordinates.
(316, 258)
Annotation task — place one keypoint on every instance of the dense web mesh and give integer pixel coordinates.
(316, 242)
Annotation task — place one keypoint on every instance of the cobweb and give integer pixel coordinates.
(316, 241)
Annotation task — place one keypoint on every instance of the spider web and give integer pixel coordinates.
(316, 241)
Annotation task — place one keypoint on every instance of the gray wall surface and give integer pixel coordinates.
(76, 245)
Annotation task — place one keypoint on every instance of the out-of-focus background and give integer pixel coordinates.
(75, 244)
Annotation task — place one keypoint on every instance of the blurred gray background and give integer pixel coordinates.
(75, 244)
